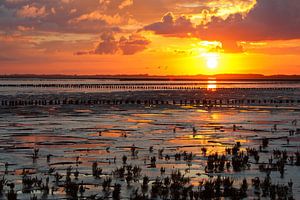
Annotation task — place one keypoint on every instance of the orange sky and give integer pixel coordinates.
(159, 37)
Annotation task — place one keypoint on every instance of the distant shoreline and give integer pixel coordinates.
(145, 77)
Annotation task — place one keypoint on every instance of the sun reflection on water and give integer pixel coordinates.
(212, 85)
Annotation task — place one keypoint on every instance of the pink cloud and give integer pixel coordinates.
(31, 11)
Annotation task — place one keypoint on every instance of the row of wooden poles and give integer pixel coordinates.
(136, 86)
(204, 102)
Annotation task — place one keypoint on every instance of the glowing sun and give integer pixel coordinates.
(212, 60)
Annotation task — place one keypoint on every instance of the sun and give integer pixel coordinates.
(212, 63)
(212, 60)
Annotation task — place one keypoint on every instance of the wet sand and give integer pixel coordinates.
(80, 136)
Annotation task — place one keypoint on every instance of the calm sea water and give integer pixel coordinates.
(158, 85)
(71, 131)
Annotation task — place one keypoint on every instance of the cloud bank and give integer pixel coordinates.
(267, 20)
(125, 45)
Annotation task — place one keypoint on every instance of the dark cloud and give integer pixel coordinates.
(134, 44)
(127, 46)
(88, 16)
(171, 26)
(108, 45)
(267, 20)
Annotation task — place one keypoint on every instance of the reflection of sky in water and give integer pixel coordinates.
(210, 84)
(71, 131)
(68, 132)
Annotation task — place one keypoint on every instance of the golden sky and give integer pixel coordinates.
(158, 37)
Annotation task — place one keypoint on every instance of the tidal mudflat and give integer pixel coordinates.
(154, 152)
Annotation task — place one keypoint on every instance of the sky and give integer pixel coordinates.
(156, 37)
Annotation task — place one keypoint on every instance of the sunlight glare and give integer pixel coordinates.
(211, 60)
(212, 85)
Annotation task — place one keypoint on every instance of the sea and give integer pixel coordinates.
(74, 136)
